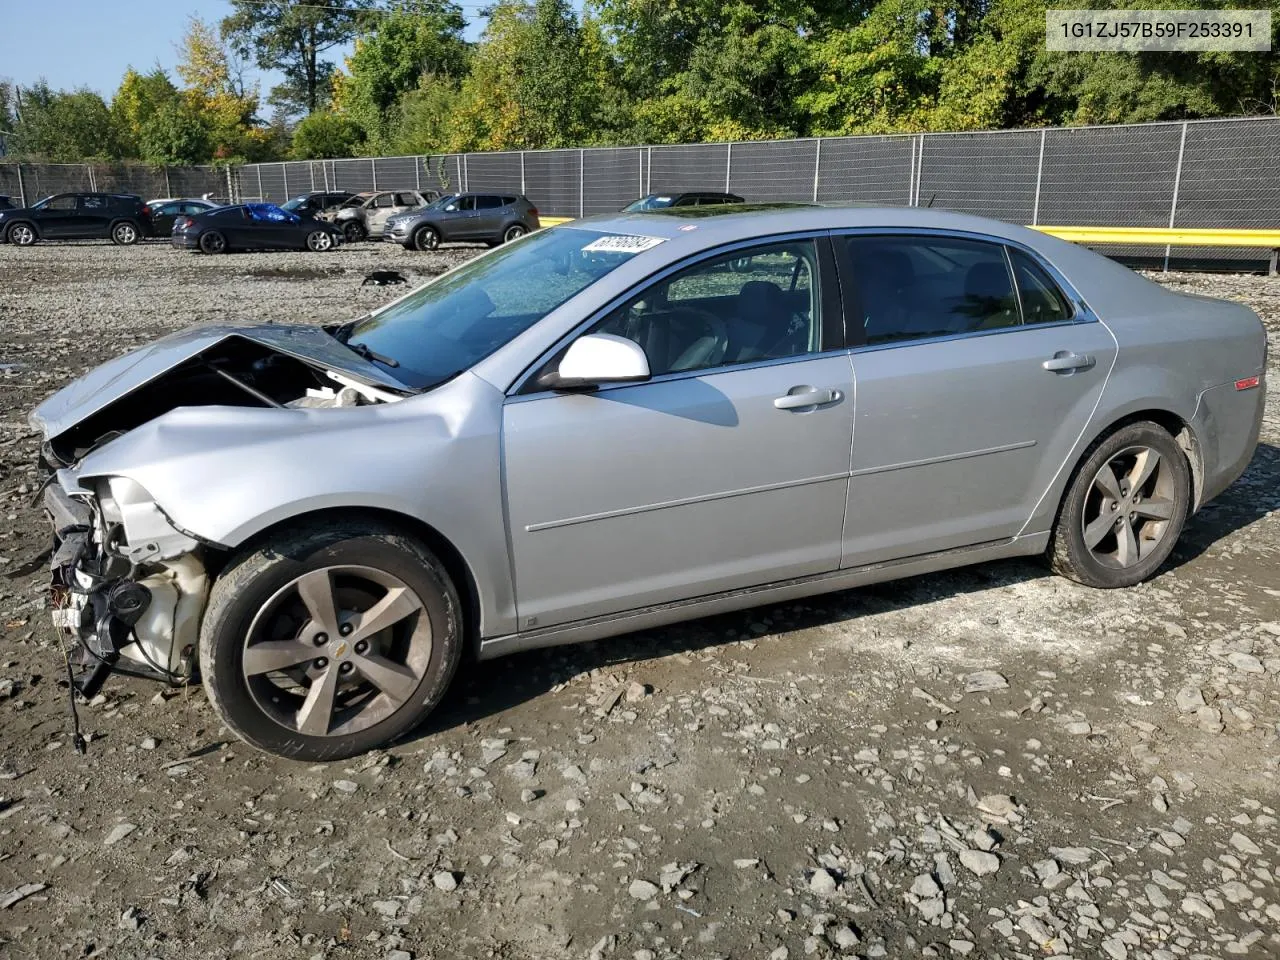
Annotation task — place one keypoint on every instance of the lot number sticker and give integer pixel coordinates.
(621, 244)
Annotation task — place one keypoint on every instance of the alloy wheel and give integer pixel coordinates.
(319, 241)
(1128, 508)
(514, 232)
(22, 235)
(426, 239)
(124, 233)
(337, 650)
(213, 243)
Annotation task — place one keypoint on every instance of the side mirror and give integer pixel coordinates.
(595, 359)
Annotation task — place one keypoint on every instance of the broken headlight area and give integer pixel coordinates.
(127, 586)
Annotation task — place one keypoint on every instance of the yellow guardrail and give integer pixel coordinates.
(1161, 236)
(553, 221)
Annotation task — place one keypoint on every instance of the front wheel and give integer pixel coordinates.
(22, 234)
(426, 238)
(124, 233)
(318, 241)
(326, 642)
(514, 232)
(353, 231)
(1124, 510)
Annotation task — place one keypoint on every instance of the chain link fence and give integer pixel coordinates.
(28, 183)
(1201, 173)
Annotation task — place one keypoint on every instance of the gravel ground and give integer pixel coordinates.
(991, 763)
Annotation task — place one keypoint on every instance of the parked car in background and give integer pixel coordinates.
(253, 226)
(466, 217)
(315, 203)
(6, 203)
(165, 212)
(123, 218)
(883, 393)
(657, 201)
(366, 214)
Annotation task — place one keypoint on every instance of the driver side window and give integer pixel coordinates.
(744, 307)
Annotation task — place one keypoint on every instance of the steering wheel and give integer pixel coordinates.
(689, 325)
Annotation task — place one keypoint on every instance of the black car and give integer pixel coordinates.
(317, 202)
(704, 198)
(165, 212)
(253, 226)
(78, 216)
(476, 217)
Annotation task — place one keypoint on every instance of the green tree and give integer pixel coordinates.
(415, 40)
(290, 36)
(177, 133)
(424, 117)
(216, 90)
(64, 127)
(137, 100)
(325, 135)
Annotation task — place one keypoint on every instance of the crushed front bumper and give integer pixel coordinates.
(122, 610)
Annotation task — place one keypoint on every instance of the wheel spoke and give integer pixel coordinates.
(317, 710)
(1144, 466)
(396, 681)
(1106, 482)
(1127, 552)
(316, 591)
(391, 609)
(276, 655)
(1094, 532)
(1156, 508)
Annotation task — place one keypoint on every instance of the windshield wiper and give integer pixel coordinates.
(364, 351)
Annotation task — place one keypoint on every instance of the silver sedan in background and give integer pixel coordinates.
(616, 424)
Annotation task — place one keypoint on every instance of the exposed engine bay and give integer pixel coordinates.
(128, 586)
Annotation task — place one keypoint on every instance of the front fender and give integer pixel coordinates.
(225, 474)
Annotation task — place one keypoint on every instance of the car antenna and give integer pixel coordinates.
(932, 198)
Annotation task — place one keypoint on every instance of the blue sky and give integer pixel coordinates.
(74, 43)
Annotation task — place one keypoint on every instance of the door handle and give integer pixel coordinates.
(799, 397)
(1065, 362)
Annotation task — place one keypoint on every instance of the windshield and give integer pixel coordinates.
(296, 204)
(652, 202)
(454, 322)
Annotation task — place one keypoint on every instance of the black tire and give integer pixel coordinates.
(1087, 511)
(125, 233)
(253, 578)
(426, 238)
(22, 234)
(514, 231)
(353, 231)
(212, 242)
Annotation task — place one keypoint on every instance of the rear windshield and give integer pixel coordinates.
(651, 202)
(456, 321)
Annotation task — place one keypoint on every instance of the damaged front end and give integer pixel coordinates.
(128, 587)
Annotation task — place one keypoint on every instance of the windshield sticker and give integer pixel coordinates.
(621, 244)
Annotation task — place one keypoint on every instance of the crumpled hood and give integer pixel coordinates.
(117, 378)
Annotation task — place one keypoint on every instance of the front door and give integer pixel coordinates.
(459, 218)
(57, 216)
(728, 469)
(976, 381)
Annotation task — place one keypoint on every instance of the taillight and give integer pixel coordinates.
(183, 223)
(533, 211)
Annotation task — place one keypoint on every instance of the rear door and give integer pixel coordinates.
(163, 216)
(976, 376)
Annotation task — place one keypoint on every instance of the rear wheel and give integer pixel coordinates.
(353, 231)
(319, 241)
(1124, 510)
(212, 241)
(426, 238)
(325, 643)
(514, 232)
(22, 234)
(124, 233)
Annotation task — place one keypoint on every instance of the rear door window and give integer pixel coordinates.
(917, 288)
(488, 203)
(1042, 301)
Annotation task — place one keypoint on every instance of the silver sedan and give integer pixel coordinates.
(616, 424)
